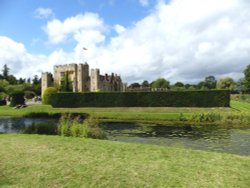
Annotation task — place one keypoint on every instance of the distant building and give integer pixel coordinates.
(78, 74)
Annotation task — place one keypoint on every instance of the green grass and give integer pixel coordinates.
(148, 113)
(133, 114)
(240, 106)
(54, 161)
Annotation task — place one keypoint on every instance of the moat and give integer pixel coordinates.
(210, 138)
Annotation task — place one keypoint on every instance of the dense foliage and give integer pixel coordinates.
(46, 98)
(214, 98)
(9, 84)
(17, 98)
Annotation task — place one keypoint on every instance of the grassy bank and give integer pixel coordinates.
(148, 114)
(54, 161)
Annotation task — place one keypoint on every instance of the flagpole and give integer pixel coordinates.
(84, 49)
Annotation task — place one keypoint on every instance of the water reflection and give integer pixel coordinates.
(212, 138)
(16, 125)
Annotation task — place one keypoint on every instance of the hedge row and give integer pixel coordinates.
(215, 98)
(2, 102)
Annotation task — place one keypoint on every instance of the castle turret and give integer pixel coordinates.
(94, 84)
(47, 81)
(83, 77)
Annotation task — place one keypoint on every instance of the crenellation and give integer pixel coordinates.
(83, 80)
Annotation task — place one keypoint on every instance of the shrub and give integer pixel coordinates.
(17, 98)
(214, 98)
(206, 117)
(75, 127)
(46, 98)
(2, 102)
(29, 94)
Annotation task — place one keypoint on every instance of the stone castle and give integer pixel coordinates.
(78, 74)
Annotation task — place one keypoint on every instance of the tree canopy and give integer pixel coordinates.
(226, 83)
(161, 83)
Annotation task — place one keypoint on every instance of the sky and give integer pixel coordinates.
(179, 40)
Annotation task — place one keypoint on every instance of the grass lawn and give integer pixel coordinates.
(54, 161)
(132, 113)
(240, 106)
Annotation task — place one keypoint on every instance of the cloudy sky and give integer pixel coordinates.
(180, 40)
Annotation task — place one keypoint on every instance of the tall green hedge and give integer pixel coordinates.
(17, 98)
(214, 98)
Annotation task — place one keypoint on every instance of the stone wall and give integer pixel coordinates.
(82, 81)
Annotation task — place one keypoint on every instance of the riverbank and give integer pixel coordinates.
(238, 112)
(54, 161)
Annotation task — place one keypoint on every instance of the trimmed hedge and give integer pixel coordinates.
(17, 98)
(214, 98)
(3, 102)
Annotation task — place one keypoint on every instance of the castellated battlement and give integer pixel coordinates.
(81, 79)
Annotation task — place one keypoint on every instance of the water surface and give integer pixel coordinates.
(211, 138)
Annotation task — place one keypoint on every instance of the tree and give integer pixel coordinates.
(145, 83)
(247, 78)
(241, 85)
(179, 84)
(36, 80)
(135, 85)
(210, 82)
(21, 80)
(161, 83)
(226, 83)
(11, 79)
(5, 71)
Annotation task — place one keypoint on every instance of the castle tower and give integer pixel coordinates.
(60, 71)
(47, 81)
(95, 78)
(83, 77)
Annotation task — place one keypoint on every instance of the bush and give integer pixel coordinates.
(3, 102)
(46, 98)
(29, 94)
(17, 98)
(206, 117)
(214, 98)
(76, 127)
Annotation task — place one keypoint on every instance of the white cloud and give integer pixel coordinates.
(185, 40)
(86, 27)
(144, 2)
(44, 13)
(20, 62)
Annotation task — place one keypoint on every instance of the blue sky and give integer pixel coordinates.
(180, 40)
(18, 18)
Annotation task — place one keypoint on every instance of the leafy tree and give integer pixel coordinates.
(134, 85)
(179, 84)
(247, 78)
(201, 85)
(145, 83)
(21, 81)
(241, 85)
(5, 71)
(36, 80)
(161, 83)
(226, 83)
(12, 79)
(210, 82)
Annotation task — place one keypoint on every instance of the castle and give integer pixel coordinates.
(78, 75)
